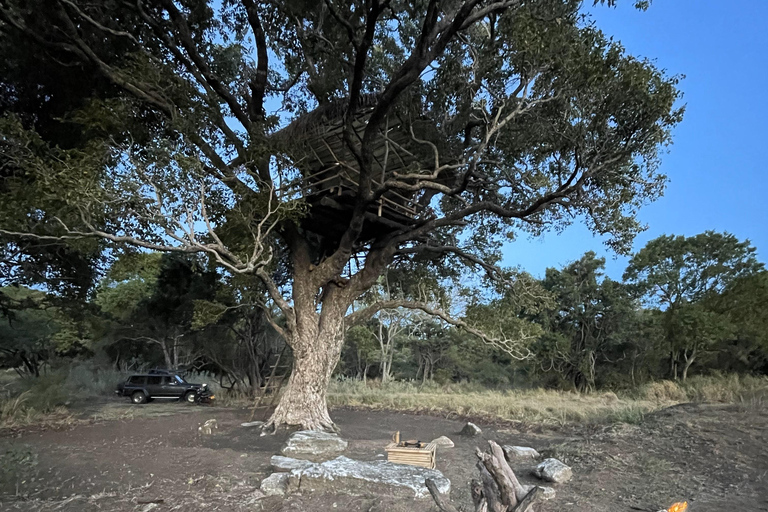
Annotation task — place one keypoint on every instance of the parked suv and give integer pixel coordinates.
(157, 384)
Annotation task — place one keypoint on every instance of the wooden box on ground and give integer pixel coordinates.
(424, 457)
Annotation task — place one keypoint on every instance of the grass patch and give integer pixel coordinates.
(544, 406)
(528, 406)
(45, 399)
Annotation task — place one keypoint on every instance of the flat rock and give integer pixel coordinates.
(275, 484)
(361, 478)
(552, 470)
(444, 442)
(519, 452)
(281, 463)
(252, 424)
(470, 429)
(313, 445)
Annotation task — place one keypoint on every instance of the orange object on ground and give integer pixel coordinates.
(678, 507)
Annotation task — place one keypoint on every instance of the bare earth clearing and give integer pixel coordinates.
(714, 456)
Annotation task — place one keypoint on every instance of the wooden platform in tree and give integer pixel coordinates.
(330, 173)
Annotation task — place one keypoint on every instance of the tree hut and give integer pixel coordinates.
(329, 172)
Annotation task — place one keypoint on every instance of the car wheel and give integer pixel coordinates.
(189, 397)
(139, 397)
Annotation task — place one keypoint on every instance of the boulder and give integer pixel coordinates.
(552, 470)
(361, 478)
(470, 429)
(519, 452)
(313, 445)
(443, 441)
(281, 463)
(275, 484)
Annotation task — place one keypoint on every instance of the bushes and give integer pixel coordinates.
(32, 399)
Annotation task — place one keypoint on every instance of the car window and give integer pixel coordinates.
(137, 379)
(179, 379)
(153, 381)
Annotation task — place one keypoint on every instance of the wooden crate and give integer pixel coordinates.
(424, 457)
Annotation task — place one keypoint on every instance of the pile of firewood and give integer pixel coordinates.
(498, 489)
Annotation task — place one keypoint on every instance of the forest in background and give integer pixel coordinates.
(685, 306)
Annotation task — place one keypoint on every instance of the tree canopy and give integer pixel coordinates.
(445, 128)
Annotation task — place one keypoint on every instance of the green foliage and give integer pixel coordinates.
(684, 275)
(593, 317)
(673, 270)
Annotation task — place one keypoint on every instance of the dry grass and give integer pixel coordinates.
(528, 406)
(547, 406)
(46, 400)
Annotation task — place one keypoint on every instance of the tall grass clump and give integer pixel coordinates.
(662, 391)
(719, 388)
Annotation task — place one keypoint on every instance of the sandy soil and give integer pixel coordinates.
(716, 457)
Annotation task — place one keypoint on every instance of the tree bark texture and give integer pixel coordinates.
(303, 402)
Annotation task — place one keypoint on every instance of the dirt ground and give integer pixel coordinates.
(131, 457)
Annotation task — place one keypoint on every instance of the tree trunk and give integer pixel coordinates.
(688, 362)
(315, 356)
(166, 354)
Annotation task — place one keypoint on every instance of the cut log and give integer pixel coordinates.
(442, 504)
(500, 471)
(498, 455)
(478, 496)
(498, 489)
(526, 504)
(490, 489)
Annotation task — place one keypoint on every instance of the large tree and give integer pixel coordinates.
(680, 274)
(315, 143)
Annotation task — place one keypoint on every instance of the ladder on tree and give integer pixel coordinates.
(269, 393)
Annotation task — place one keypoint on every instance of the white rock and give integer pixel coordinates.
(275, 484)
(552, 470)
(443, 441)
(470, 429)
(313, 445)
(520, 452)
(281, 463)
(360, 478)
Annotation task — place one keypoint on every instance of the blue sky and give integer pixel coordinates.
(717, 165)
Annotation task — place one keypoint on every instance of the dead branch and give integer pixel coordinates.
(526, 505)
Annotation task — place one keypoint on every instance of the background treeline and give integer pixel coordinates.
(685, 305)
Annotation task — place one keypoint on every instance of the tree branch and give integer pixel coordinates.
(515, 347)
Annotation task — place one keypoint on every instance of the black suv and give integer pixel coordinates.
(157, 384)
